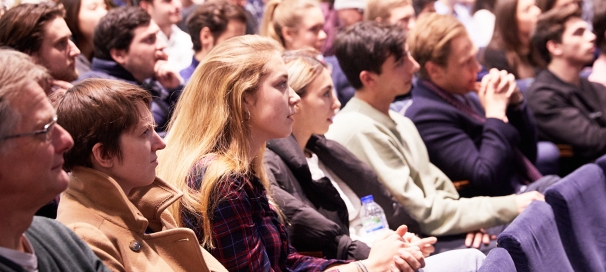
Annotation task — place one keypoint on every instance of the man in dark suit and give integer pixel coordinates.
(482, 133)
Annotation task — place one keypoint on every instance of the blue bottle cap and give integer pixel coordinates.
(367, 199)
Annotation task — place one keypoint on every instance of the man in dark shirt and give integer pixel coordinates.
(127, 49)
(568, 109)
(32, 145)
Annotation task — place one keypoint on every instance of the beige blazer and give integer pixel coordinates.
(134, 233)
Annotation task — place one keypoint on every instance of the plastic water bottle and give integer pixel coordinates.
(373, 219)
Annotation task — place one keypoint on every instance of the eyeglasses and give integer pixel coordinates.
(45, 131)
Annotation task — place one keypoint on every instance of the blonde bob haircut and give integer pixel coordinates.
(284, 13)
(303, 66)
(209, 128)
(431, 39)
(382, 9)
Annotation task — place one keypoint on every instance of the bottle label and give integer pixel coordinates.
(372, 224)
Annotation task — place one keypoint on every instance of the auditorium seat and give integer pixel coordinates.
(498, 260)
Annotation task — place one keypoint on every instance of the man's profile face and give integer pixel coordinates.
(461, 70)
(144, 51)
(57, 52)
(31, 167)
(397, 74)
(578, 42)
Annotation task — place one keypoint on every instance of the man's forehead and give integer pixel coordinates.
(56, 29)
(143, 31)
(575, 23)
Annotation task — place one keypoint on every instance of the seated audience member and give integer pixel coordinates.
(598, 73)
(113, 195)
(317, 179)
(40, 31)
(294, 23)
(377, 63)
(82, 16)
(237, 100)
(166, 14)
(423, 7)
(211, 23)
(350, 11)
(487, 138)
(568, 108)
(510, 47)
(392, 12)
(31, 159)
(126, 49)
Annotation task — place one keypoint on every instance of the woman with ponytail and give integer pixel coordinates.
(294, 23)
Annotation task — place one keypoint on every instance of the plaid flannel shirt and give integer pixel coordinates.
(247, 233)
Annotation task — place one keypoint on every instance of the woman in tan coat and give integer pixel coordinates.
(114, 201)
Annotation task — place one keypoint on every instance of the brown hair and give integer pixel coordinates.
(17, 72)
(547, 5)
(506, 37)
(23, 27)
(116, 30)
(98, 111)
(599, 25)
(550, 27)
(431, 40)
(215, 15)
(365, 46)
(382, 8)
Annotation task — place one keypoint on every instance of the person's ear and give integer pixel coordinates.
(288, 34)
(100, 157)
(145, 5)
(434, 71)
(367, 78)
(554, 48)
(207, 41)
(119, 55)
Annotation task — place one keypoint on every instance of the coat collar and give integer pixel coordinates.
(138, 211)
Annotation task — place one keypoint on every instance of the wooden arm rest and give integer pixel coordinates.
(316, 254)
(460, 184)
(565, 150)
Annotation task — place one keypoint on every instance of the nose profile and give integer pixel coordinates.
(62, 140)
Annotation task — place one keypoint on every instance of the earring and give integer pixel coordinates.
(247, 115)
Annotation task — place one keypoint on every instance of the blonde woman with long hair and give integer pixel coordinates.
(294, 23)
(237, 99)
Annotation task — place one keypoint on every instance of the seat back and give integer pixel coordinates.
(498, 260)
(578, 205)
(533, 241)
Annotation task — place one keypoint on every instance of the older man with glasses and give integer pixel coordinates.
(31, 174)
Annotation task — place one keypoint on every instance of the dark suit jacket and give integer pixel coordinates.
(466, 149)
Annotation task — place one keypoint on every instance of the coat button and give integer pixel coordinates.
(134, 246)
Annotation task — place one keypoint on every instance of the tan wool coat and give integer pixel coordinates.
(134, 233)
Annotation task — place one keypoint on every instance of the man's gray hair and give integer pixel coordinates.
(17, 72)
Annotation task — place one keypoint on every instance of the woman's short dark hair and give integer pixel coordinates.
(599, 25)
(98, 111)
